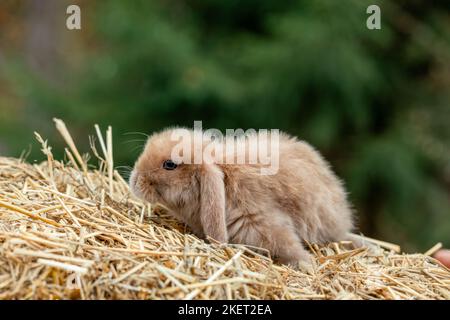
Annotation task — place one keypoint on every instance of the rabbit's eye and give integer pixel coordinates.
(169, 165)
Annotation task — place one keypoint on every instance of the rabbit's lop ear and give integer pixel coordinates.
(212, 203)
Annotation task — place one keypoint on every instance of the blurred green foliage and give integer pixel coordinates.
(374, 102)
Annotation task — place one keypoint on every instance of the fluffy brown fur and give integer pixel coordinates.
(234, 203)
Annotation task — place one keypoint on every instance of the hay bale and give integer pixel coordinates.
(68, 232)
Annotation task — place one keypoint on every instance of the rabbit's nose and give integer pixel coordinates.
(133, 178)
(133, 181)
(135, 184)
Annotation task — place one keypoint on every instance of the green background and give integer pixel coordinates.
(374, 102)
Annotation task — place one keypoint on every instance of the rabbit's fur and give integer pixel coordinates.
(234, 203)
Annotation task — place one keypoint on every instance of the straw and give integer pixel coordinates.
(433, 249)
(68, 232)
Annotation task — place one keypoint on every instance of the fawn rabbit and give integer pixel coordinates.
(235, 203)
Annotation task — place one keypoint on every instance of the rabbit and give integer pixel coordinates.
(235, 203)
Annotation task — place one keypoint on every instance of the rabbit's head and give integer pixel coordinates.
(184, 187)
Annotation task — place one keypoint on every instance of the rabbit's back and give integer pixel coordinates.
(304, 193)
